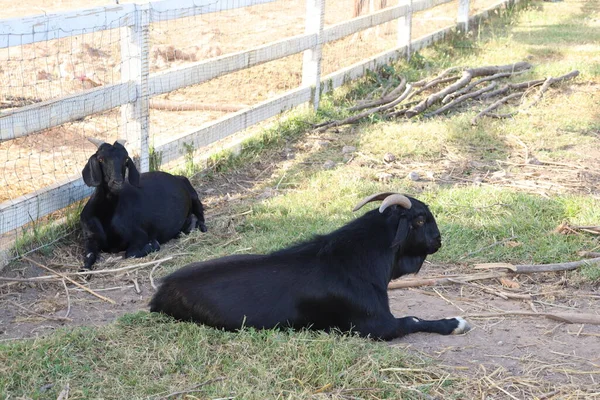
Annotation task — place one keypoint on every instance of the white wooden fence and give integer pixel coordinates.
(137, 85)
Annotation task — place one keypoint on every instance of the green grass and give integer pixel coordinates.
(149, 356)
(144, 355)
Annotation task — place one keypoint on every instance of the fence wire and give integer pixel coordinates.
(83, 62)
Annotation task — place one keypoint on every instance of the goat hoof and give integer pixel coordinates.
(463, 326)
(202, 228)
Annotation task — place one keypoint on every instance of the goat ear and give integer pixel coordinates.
(134, 175)
(401, 232)
(92, 173)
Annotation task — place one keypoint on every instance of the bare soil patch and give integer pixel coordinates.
(521, 356)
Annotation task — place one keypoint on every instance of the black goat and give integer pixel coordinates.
(134, 216)
(335, 281)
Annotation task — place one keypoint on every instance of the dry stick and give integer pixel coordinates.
(589, 254)
(408, 283)
(70, 280)
(461, 99)
(49, 318)
(85, 273)
(513, 86)
(568, 266)
(167, 105)
(569, 318)
(495, 105)
(68, 299)
(366, 113)
(516, 269)
(384, 99)
(473, 84)
(151, 279)
(463, 81)
(64, 394)
(444, 73)
(550, 81)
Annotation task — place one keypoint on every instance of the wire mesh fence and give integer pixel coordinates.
(169, 76)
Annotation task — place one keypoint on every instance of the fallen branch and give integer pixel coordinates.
(535, 268)
(460, 99)
(71, 280)
(589, 254)
(568, 318)
(495, 105)
(467, 76)
(384, 99)
(550, 81)
(473, 84)
(415, 282)
(86, 273)
(513, 86)
(68, 299)
(366, 113)
(511, 271)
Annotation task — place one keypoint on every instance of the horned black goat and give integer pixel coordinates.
(134, 214)
(335, 281)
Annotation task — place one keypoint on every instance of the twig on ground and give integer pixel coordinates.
(93, 272)
(70, 280)
(151, 278)
(136, 286)
(469, 87)
(460, 99)
(384, 99)
(48, 317)
(359, 116)
(495, 105)
(68, 299)
(550, 81)
(568, 318)
(464, 81)
(512, 270)
(64, 394)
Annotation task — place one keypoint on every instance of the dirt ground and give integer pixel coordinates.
(521, 355)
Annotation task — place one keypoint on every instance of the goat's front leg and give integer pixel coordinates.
(139, 244)
(446, 326)
(94, 238)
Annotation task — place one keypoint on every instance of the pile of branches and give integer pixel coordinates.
(451, 88)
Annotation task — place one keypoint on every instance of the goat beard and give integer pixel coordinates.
(407, 265)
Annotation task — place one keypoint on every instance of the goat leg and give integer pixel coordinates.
(95, 239)
(446, 326)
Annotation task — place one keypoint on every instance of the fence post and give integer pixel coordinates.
(463, 15)
(311, 64)
(405, 28)
(135, 68)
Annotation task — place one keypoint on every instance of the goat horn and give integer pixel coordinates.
(97, 142)
(121, 142)
(373, 197)
(398, 199)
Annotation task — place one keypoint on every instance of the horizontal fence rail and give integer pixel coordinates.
(34, 118)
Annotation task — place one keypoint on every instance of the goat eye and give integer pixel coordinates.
(420, 222)
(100, 159)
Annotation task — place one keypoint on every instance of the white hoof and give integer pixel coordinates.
(463, 326)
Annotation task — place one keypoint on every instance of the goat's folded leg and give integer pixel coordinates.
(446, 326)
(94, 238)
